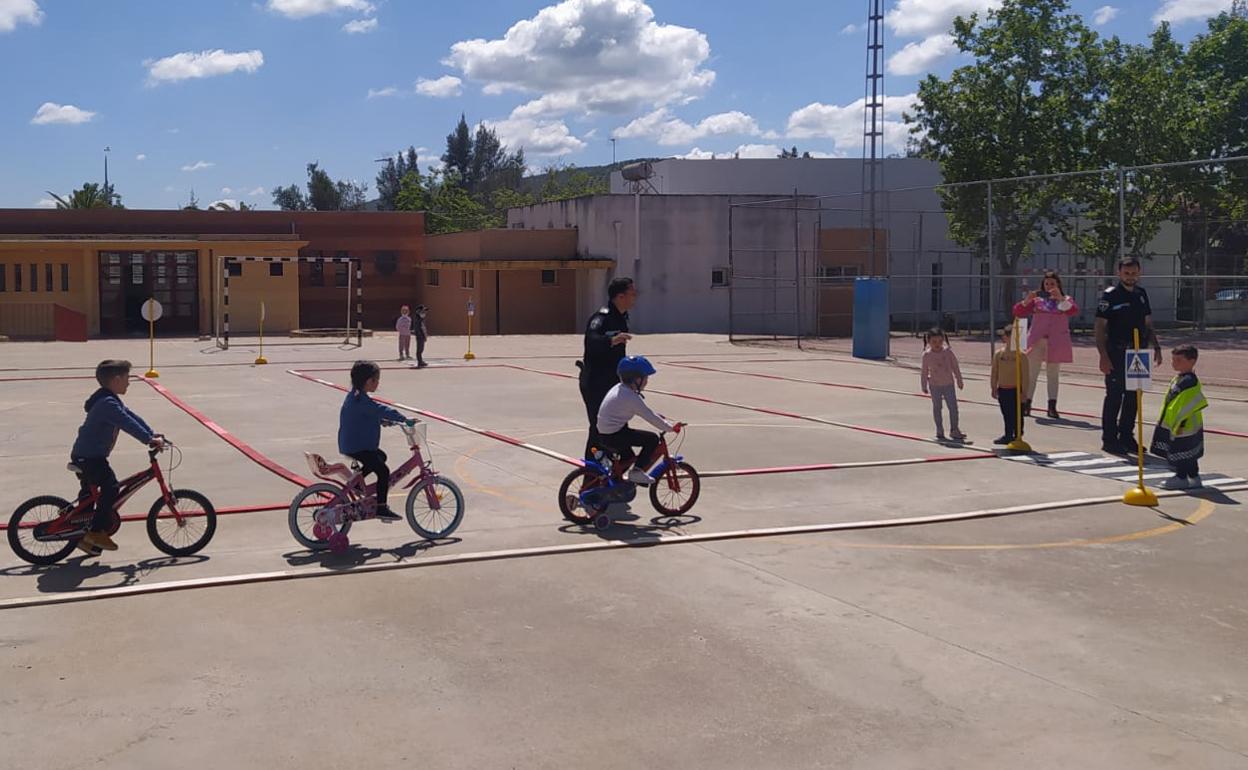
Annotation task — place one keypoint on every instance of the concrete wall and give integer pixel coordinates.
(29, 313)
(280, 295)
(779, 177)
(682, 239)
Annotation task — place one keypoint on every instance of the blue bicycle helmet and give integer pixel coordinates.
(633, 368)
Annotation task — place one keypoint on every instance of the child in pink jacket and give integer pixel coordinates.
(1048, 338)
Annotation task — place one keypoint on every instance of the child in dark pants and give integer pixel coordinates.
(1007, 364)
(359, 430)
(107, 416)
(1180, 433)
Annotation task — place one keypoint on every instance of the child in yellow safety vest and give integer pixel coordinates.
(1180, 434)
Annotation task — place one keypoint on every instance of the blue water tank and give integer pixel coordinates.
(871, 318)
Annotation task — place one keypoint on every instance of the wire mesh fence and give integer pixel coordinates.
(959, 256)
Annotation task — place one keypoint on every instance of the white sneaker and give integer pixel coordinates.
(1176, 482)
(638, 476)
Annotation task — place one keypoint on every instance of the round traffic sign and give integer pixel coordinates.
(152, 311)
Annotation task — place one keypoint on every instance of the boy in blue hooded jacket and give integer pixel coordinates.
(107, 416)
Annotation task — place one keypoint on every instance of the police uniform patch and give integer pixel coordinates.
(1103, 305)
(596, 323)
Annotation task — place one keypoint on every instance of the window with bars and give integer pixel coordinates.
(64, 277)
(550, 278)
(276, 269)
(4, 273)
(467, 279)
(341, 273)
(316, 273)
(34, 278)
(432, 278)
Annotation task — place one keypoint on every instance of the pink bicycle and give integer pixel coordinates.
(322, 514)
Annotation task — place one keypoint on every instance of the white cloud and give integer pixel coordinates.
(198, 165)
(45, 203)
(918, 58)
(14, 12)
(360, 26)
(742, 151)
(378, 93)
(51, 112)
(1179, 11)
(441, 88)
(843, 125)
(662, 127)
(1104, 15)
(923, 18)
(537, 137)
(226, 190)
(850, 29)
(231, 202)
(140, 156)
(301, 9)
(256, 192)
(205, 64)
(590, 56)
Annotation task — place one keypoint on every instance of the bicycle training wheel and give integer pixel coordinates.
(574, 485)
(303, 518)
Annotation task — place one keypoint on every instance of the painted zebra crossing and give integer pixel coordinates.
(1116, 468)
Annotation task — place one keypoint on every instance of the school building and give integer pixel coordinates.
(79, 274)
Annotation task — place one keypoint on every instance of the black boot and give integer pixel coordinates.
(1053, 415)
(1027, 408)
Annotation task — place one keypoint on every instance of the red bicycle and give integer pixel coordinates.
(45, 529)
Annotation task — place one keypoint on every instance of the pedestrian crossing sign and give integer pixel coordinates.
(1139, 370)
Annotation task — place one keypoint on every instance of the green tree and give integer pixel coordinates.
(1148, 116)
(390, 178)
(1218, 68)
(90, 196)
(412, 195)
(458, 155)
(567, 182)
(792, 153)
(323, 194)
(290, 198)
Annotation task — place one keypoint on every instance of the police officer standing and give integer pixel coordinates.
(1123, 309)
(606, 336)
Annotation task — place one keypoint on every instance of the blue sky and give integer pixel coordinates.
(234, 97)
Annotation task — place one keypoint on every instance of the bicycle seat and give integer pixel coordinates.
(74, 469)
(329, 471)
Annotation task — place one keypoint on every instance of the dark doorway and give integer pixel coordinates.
(129, 278)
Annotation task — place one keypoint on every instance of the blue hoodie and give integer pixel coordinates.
(106, 417)
(359, 422)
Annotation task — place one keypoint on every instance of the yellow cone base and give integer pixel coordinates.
(1141, 496)
(469, 356)
(1018, 445)
(152, 374)
(262, 360)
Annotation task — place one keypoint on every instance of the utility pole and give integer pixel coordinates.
(613, 141)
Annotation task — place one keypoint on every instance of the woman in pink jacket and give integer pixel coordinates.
(1048, 340)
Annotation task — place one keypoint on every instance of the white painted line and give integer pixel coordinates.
(1121, 467)
(554, 550)
(1222, 482)
(1079, 463)
(1066, 455)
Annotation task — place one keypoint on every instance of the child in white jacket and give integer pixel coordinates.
(624, 402)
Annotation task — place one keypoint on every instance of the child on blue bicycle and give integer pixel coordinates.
(624, 402)
(359, 430)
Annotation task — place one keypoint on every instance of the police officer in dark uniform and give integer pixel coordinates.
(606, 335)
(1123, 309)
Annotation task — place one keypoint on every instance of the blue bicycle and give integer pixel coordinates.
(588, 491)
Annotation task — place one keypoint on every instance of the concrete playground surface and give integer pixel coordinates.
(846, 593)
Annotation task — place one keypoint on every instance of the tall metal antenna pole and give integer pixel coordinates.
(873, 126)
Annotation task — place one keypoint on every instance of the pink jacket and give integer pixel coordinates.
(1049, 322)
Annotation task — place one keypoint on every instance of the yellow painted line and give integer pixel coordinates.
(1204, 511)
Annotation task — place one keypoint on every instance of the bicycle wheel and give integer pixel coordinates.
(185, 537)
(303, 521)
(676, 490)
(435, 523)
(38, 510)
(574, 485)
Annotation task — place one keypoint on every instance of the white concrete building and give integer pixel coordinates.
(676, 244)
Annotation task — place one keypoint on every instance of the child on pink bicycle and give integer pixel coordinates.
(359, 431)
